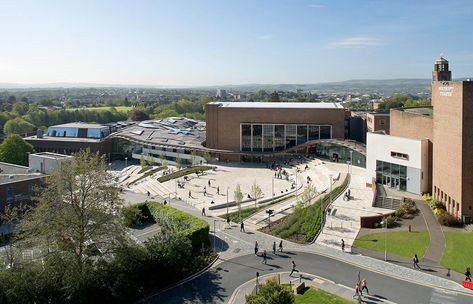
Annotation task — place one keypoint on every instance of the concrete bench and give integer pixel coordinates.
(298, 288)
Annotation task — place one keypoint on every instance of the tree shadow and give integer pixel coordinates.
(204, 289)
(220, 244)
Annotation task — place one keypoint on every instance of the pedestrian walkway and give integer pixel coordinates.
(343, 218)
(437, 241)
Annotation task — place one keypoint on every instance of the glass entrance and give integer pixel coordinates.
(391, 175)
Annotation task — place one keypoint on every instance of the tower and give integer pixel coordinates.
(441, 72)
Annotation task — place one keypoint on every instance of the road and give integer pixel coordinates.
(218, 284)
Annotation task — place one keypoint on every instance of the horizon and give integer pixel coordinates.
(212, 43)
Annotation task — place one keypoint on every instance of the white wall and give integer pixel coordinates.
(379, 147)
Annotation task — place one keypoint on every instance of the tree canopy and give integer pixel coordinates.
(18, 126)
(15, 150)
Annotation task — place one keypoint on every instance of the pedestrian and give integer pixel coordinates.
(468, 274)
(348, 192)
(209, 182)
(190, 194)
(274, 247)
(203, 211)
(293, 268)
(149, 194)
(218, 190)
(364, 287)
(264, 257)
(205, 191)
(343, 245)
(242, 226)
(280, 245)
(228, 221)
(415, 261)
(256, 247)
(357, 291)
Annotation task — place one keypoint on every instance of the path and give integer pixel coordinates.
(437, 241)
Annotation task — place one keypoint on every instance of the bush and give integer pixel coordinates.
(427, 197)
(408, 207)
(391, 221)
(449, 220)
(271, 292)
(178, 222)
(135, 214)
(438, 211)
(436, 204)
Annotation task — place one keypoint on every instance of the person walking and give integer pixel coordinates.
(256, 247)
(343, 245)
(357, 291)
(149, 194)
(228, 221)
(468, 274)
(205, 191)
(280, 246)
(209, 183)
(415, 261)
(190, 194)
(264, 255)
(274, 247)
(293, 268)
(218, 190)
(364, 287)
(203, 211)
(242, 226)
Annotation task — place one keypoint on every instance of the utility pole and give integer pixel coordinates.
(385, 239)
(227, 201)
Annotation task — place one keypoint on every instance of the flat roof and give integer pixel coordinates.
(79, 125)
(11, 173)
(425, 111)
(280, 105)
(51, 155)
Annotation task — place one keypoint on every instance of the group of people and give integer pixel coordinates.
(360, 286)
(347, 195)
(264, 254)
(280, 173)
(167, 171)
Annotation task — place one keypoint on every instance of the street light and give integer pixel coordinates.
(296, 181)
(385, 239)
(126, 161)
(272, 188)
(227, 201)
(351, 160)
(330, 195)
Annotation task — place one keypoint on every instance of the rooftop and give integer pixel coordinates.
(425, 111)
(281, 105)
(79, 125)
(10, 173)
(51, 155)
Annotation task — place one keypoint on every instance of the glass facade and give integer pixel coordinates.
(274, 137)
(391, 175)
(338, 153)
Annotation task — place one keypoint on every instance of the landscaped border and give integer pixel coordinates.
(186, 171)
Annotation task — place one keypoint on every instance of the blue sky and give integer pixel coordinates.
(215, 42)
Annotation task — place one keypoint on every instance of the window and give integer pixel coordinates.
(301, 134)
(381, 122)
(314, 132)
(268, 133)
(279, 137)
(246, 137)
(399, 155)
(325, 132)
(257, 137)
(291, 135)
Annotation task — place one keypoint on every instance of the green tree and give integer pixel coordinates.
(77, 214)
(256, 192)
(274, 97)
(164, 161)
(178, 162)
(142, 161)
(271, 293)
(149, 159)
(193, 157)
(15, 150)
(238, 197)
(309, 193)
(18, 126)
(20, 108)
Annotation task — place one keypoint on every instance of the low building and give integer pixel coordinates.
(46, 162)
(376, 121)
(397, 162)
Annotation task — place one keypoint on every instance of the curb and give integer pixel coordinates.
(181, 282)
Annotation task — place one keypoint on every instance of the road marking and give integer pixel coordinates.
(317, 280)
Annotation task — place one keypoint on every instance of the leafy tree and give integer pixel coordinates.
(164, 161)
(309, 193)
(142, 161)
(18, 126)
(193, 157)
(138, 115)
(20, 107)
(15, 150)
(256, 192)
(271, 293)
(77, 214)
(238, 197)
(274, 97)
(149, 159)
(178, 162)
(207, 156)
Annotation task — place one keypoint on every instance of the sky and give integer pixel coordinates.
(219, 42)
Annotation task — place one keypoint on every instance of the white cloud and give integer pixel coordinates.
(317, 6)
(354, 43)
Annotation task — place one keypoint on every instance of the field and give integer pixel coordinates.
(458, 248)
(400, 243)
(119, 109)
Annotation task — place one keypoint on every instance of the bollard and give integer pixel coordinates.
(409, 228)
(448, 272)
(300, 278)
(279, 278)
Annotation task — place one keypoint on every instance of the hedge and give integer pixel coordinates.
(183, 172)
(176, 221)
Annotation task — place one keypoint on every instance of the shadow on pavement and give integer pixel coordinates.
(220, 244)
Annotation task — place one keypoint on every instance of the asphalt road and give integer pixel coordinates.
(218, 284)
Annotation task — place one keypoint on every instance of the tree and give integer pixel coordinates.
(271, 293)
(207, 156)
(11, 215)
(309, 193)
(238, 197)
(178, 162)
(164, 161)
(77, 218)
(149, 159)
(142, 161)
(138, 115)
(193, 157)
(274, 97)
(20, 108)
(18, 126)
(256, 192)
(15, 150)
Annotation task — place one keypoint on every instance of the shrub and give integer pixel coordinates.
(135, 214)
(391, 221)
(427, 197)
(436, 204)
(176, 221)
(449, 220)
(271, 292)
(438, 211)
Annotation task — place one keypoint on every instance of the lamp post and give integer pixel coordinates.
(227, 201)
(296, 181)
(348, 166)
(215, 236)
(385, 239)
(272, 188)
(126, 161)
(351, 160)
(330, 195)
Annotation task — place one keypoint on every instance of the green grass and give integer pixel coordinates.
(400, 243)
(118, 108)
(246, 212)
(184, 172)
(458, 250)
(312, 295)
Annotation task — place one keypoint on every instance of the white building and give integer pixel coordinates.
(397, 162)
(46, 162)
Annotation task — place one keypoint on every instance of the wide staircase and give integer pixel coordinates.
(154, 187)
(384, 201)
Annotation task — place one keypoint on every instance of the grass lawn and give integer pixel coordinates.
(400, 243)
(118, 108)
(458, 250)
(312, 295)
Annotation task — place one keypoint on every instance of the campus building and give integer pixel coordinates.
(436, 142)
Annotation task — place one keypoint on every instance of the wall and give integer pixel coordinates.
(64, 146)
(467, 150)
(223, 123)
(377, 122)
(410, 125)
(43, 163)
(22, 191)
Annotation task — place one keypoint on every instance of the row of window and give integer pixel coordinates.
(452, 206)
(399, 155)
(168, 149)
(274, 137)
(391, 175)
